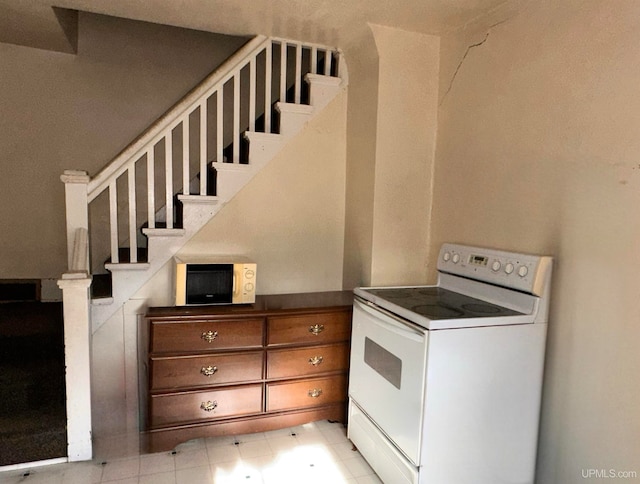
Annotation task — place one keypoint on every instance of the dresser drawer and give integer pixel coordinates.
(309, 328)
(306, 393)
(206, 405)
(311, 360)
(205, 335)
(215, 369)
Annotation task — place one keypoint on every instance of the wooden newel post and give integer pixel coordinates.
(75, 285)
(77, 348)
(77, 210)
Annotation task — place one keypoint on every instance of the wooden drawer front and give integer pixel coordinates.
(192, 406)
(202, 336)
(306, 393)
(310, 328)
(307, 361)
(194, 371)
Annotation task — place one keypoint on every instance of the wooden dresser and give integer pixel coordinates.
(221, 370)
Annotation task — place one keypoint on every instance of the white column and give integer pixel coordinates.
(77, 348)
(77, 206)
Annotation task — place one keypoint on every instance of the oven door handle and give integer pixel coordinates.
(397, 324)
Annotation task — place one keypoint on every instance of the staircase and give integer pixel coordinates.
(168, 183)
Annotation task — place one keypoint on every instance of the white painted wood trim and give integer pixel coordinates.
(124, 266)
(80, 259)
(283, 70)
(268, 87)
(185, 156)
(164, 232)
(153, 134)
(314, 60)
(203, 147)
(77, 209)
(282, 107)
(298, 81)
(219, 127)
(77, 355)
(236, 118)
(168, 177)
(151, 188)
(198, 199)
(113, 221)
(324, 80)
(133, 224)
(252, 94)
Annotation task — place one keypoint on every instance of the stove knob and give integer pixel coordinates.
(456, 258)
(495, 267)
(446, 257)
(508, 268)
(523, 271)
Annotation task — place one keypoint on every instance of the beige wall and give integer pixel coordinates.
(538, 152)
(60, 111)
(405, 150)
(362, 60)
(391, 129)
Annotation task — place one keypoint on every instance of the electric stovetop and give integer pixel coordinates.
(434, 307)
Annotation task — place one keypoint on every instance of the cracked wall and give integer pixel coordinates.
(538, 152)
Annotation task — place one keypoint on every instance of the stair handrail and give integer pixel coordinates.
(155, 132)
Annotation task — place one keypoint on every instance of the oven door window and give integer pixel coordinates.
(387, 375)
(388, 365)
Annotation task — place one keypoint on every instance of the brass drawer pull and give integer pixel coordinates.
(316, 329)
(209, 406)
(315, 393)
(315, 360)
(209, 336)
(208, 370)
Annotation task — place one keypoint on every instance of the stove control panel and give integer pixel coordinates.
(524, 272)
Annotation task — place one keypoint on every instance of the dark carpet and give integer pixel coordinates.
(32, 389)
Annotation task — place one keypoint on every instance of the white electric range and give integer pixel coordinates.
(445, 381)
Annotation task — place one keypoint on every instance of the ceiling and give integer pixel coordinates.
(45, 25)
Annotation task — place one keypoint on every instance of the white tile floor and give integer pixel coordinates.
(311, 454)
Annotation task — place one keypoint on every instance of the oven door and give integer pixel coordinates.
(387, 374)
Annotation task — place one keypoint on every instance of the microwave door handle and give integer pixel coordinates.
(235, 282)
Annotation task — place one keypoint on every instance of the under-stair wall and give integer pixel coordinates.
(179, 173)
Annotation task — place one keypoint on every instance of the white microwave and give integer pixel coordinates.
(215, 280)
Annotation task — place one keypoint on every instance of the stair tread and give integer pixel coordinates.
(323, 79)
(160, 225)
(163, 232)
(294, 107)
(124, 256)
(199, 198)
(137, 266)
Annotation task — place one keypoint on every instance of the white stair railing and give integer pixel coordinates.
(196, 134)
